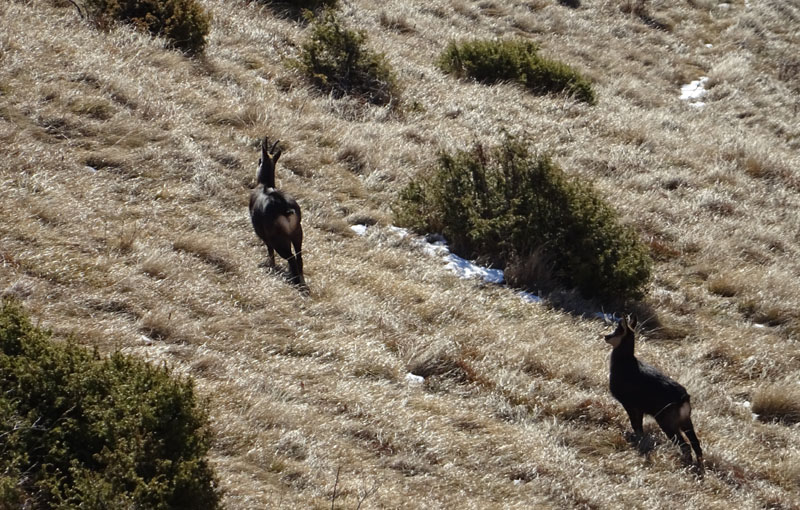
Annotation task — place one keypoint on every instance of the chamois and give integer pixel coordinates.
(643, 389)
(276, 215)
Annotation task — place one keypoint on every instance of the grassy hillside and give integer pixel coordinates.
(125, 175)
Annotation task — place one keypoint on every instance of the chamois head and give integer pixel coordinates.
(266, 165)
(625, 331)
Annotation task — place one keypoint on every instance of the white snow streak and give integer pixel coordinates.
(694, 91)
(462, 267)
(414, 378)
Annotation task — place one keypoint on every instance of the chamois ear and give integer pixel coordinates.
(272, 154)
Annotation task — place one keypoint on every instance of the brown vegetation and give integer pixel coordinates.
(125, 178)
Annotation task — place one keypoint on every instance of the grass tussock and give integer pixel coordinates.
(206, 250)
(777, 402)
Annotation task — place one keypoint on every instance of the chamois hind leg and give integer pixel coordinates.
(297, 243)
(688, 428)
(669, 421)
(295, 268)
(284, 249)
(271, 254)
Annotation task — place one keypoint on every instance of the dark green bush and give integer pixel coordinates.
(184, 23)
(297, 7)
(80, 432)
(514, 61)
(504, 206)
(336, 60)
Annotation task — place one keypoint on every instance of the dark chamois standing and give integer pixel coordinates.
(643, 389)
(276, 216)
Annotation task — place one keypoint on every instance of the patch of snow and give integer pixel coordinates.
(747, 405)
(414, 379)
(468, 269)
(437, 247)
(692, 92)
(709, 45)
(359, 229)
(400, 231)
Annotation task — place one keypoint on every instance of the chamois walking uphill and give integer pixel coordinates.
(276, 216)
(643, 389)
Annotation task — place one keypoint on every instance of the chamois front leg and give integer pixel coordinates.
(636, 417)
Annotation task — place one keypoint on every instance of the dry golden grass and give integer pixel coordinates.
(123, 221)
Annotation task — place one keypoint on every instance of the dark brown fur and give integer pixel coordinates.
(643, 389)
(276, 216)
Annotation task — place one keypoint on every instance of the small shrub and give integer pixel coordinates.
(80, 432)
(184, 23)
(506, 206)
(297, 7)
(514, 61)
(336, 61)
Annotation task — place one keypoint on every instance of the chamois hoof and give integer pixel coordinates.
(645, 444)
(698, 468)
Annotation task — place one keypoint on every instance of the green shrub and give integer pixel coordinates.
(336, 61)
(184, 23)
(297, 7)
(505, 206)
(514, 61)
(80, 432)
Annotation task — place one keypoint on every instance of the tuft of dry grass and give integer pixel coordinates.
(778, 402)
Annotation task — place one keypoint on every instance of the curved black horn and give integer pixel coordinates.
(272, 150)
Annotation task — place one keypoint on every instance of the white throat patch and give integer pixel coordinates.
(614, 340)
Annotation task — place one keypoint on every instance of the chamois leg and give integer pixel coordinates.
(271, 254)
(297, 243)
(688, 428)
(296, 267)
(636, 418)
(643, 444)
(284, 249)
(668, 422)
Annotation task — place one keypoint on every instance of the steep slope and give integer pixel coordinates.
(123, 221)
